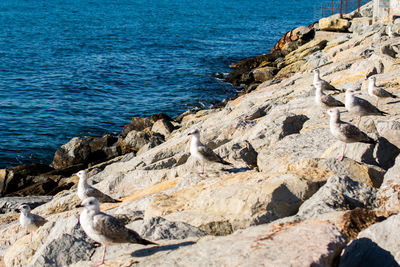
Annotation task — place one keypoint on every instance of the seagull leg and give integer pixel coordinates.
(358, 121)
(377, 100)
(340, 158)
(31, 236)
(102, 258)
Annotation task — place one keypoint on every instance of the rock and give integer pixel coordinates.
(333, 24)
(390, 130)
(339, 193)
(378, 245)
(158, 228)
(24, 176)
(224, 204)
(360, 25)
(80, 151)
(293, 39)
(136, 140)
(11, 204)
(367, 10)
(388, 50)
(163, 127)
(136, 124)
(58, 243)
(265, 73)
(389, 193)
(311, 243)
(76, 151)
(160, 116)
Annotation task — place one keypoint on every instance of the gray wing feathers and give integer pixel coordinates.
(210, 155)
(38, 220)
(115, 230)
(380, 92)
(93, 192)
(327, 86)
(330, 101)
(354, 134)
(368, 107)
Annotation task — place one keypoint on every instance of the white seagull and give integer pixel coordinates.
(376, 91)
(30, 221)
(346, 132)
(322, 83)
(106, 229)
(359, 106)
(203, 153)
(85, 190)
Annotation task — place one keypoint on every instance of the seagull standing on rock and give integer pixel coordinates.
(85, 190)
(360, 107)
(28, 220)
(324, 85)
(105, 229)
(376, 91)
(203, 153)
(346, 132)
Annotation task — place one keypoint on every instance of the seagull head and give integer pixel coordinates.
(333, 113)
(372, 79)
(24, 208)
(350, 91)
(316, 72)
(82, 174)
(194, 132)
(91, 203)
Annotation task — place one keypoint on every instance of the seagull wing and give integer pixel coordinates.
(368, 107)
(330, 101)
(354, 134)
(210, 155)
(380, 92)
(103, 198)
(38, 220)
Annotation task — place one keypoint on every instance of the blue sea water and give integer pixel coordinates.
(84, 68)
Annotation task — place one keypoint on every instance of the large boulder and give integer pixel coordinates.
(11, 204)
(334, 24)
(389, 192)
(137, 124)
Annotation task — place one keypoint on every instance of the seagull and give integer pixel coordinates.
(28, 220)
(359, 106)
(323, 84)
(85, 190)
(376, 91)
(389, 31)
(346, 132)
(106, 229)
(325, 101)
(203, 153)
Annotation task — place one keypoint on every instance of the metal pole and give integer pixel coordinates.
(346, 5)
(332, 7)
(359, 4)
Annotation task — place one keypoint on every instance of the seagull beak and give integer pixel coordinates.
(79, 206)
(189, 134)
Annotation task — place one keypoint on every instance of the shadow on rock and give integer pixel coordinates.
(237, 170)
(364, 252)
(153, 250)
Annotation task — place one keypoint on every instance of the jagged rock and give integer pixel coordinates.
(263, 74)
(158, 228)
(390, 130)
(311, 243)
(378, 245)
(291, 40)
(389, 193)
(59, 243)
(136, 124)
(163, 127)
(23, 176)
(135, 140)
(11, 204)
(360, 25)
(235, 201)
(80, 151)
(339, 193)
(333, 24)
(160, 116)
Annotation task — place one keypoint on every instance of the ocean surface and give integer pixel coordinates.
(85, 68)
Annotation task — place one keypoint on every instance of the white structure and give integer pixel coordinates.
(385, 11)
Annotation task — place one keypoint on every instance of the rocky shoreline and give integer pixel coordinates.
(287, 200)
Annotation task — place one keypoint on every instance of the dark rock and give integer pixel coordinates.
(136, 140)
(292, 125)
(160, 116)
(23, 176)
(137, 124)
(184, 114)
(241, 74)
(11, 204)
(291, 40)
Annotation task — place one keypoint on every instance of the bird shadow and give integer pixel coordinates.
(237, 170)
(393, 102)
(153, 250)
